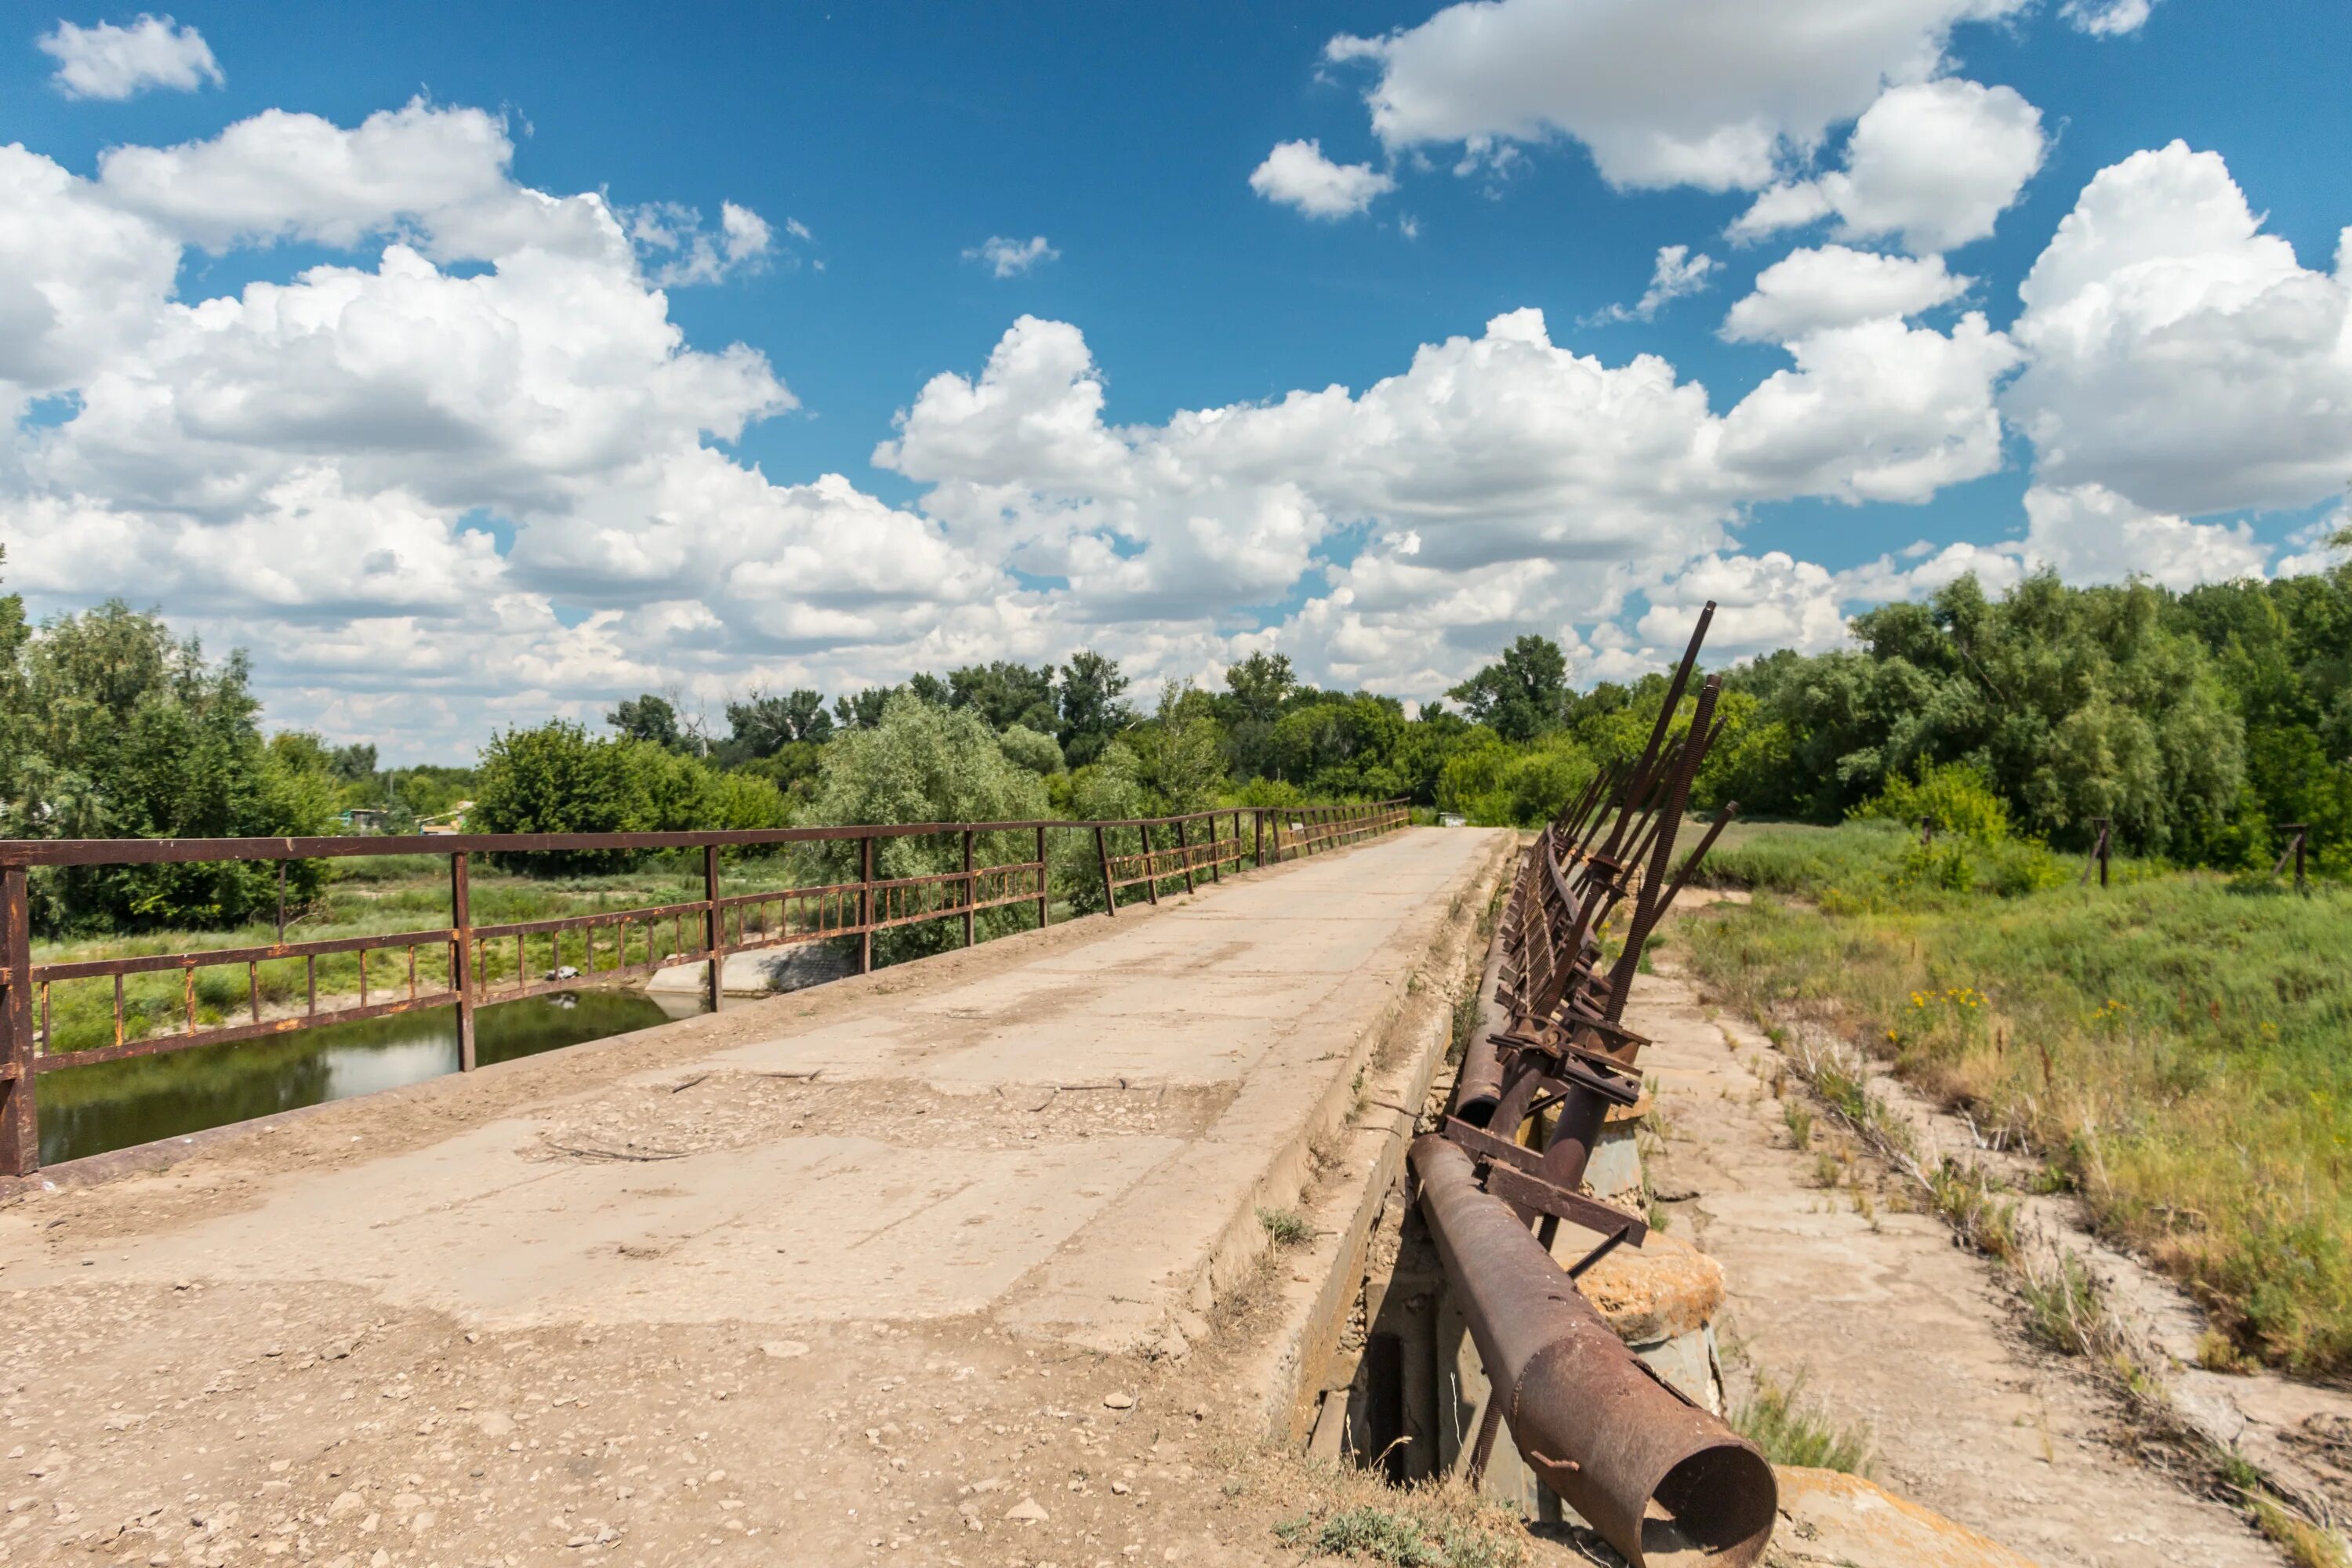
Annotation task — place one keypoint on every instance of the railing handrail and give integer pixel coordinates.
(825, 911)
(175, 851)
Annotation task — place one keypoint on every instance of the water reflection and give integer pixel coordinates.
(112, 1105)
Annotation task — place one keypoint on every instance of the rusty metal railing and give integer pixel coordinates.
(1654, 1473)
(608, 944)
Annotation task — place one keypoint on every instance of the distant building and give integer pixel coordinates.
(452, 821)
(364, 819)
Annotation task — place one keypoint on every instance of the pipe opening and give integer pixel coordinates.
(1716, 1508)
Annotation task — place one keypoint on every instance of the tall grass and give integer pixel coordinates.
(2177, 1045)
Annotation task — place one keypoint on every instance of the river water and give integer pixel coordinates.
(90, 1110)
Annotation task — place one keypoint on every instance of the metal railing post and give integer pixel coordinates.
(1045, 883)
(1184, 853)
(971, 893)
(866, 904)
(20, 1125)
(1102, 852)
(714, 926)
(461, 954)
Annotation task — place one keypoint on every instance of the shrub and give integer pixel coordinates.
(1957, 798)
(1026, 748)
(924, 762)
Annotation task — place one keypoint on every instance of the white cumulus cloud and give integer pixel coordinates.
(2106, 18)
(1933, 163)
(108, 61)
(1011, 258)
(1297, 175)
(1807, 291)
(1714, 93)
(2179, 357)
(1674, 274)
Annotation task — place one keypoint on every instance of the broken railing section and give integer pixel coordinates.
(467, 963)
(1653, 1473)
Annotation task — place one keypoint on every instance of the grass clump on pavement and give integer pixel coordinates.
(1420, 1530)
(2173, 1045)
(1793, 1430)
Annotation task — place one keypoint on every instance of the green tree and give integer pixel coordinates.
(1092, 711)
(556, 778)
(1031, 749)
(650, 718)
(925, 763)
(1522, 694)
(1180, 755)
(767, 723)
(119, 731)
(1005, 694)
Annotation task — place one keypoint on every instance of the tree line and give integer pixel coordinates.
(2194, 722)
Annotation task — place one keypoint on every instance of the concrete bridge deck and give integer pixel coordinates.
(847, 1275)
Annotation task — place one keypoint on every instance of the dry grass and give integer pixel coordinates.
(2173, 1047)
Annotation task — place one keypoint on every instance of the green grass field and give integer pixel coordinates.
(2177, 1047)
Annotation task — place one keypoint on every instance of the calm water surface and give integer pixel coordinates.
(88, 1111)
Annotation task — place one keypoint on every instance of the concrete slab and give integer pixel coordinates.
(1264, 991)
(698, 1250)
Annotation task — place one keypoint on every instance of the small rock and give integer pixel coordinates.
(1117, 1400)
(784, 1350)
(1120, 1489)
(1026, 1511)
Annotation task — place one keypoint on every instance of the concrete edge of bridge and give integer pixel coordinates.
(1359, 1139)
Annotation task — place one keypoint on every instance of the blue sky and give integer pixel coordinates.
(902, 140)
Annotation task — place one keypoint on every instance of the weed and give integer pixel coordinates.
(2216, 1352)
(1794, 1430)
(2063, 1311)
(1799, 1121)
(1285, 1227)
(1826, 1169)
(2307, 1544)
(1423, 1528)
(1963, 1196)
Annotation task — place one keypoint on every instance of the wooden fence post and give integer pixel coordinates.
(865, 905)
(1184, 853)
(714, 926)
(20, 1125)
(1045, 883)
(1150, 871)
(2105, 827)
(1258, 824)
(971, 893)
(461, 954)
(1102, 852)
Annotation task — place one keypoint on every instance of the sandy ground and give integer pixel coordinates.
(909, 1269)
(1893, 1326)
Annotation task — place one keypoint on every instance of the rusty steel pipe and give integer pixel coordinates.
(1661, 1479)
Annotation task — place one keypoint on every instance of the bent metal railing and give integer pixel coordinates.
(609, 944)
